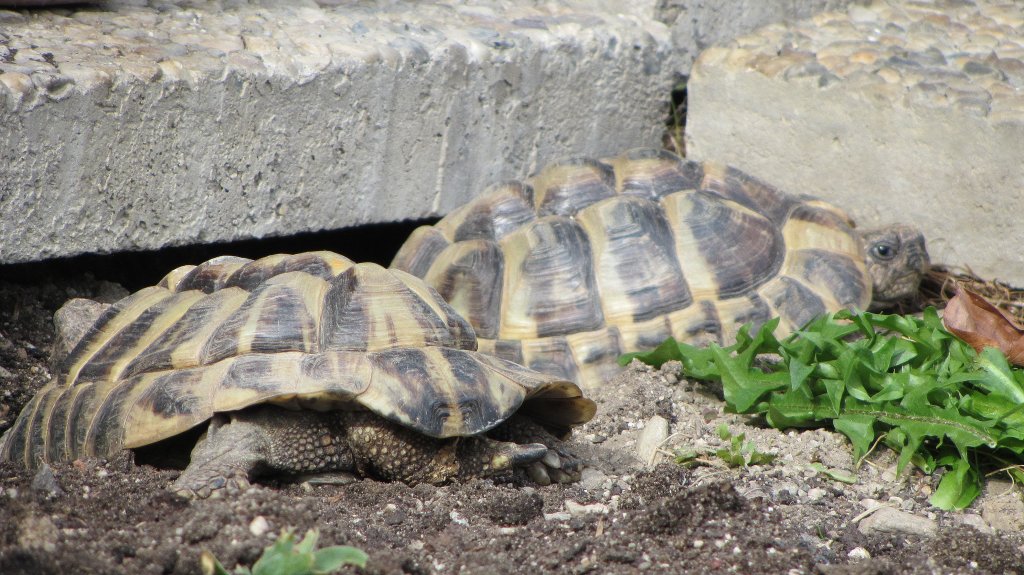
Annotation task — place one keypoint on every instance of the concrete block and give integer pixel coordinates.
(700, 24)
(138, 125)
(898, 111)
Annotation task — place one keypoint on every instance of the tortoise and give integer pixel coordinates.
(302, 364)
(593, 258)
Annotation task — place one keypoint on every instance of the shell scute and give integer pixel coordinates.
(208, 276)
(746, 190)
(793, 301)
(183, 344)
(635, 266)
(367, 308)
(654, 174)
(107, 327)
(565, 188)
(553, 291)
(278, 315)
(420, 251)
(742, 248)
(471, 281)
(501, 209)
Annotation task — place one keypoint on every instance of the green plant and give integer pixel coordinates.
(285, 557)
(929, 395)
(740, 453)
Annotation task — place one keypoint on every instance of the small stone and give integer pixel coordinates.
(45, 482)
(592, 479)
(458, 519)
(859, 554)
(816, 494)
(889, 521)
(652, 437)
(393, 515)
(558, 516)
(978, 522)
(580, 510)
(259, 526)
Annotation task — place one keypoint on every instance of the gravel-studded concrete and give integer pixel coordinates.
(700, 24)
(901, 110)
(136, 126)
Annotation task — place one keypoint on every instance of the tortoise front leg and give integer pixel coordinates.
(265, 440)
(223, 459)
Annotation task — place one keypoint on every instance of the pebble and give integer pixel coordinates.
(558, 516)
(580, 510)
(859, 554)
(45, 482)
(593, 479)
(816, 494)
(889, 521)
(652, 437)
(976, 521)
(969, 56)
(259, 526)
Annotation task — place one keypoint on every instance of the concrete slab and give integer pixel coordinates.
(900, 110)
(139, 125)
(700, 24)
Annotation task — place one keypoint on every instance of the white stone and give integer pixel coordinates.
(259, 526)
(859, 554)
(579, 510)
(889, 521)
(654, 434)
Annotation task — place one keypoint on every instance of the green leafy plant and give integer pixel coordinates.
(285, 557)
(927, 394)
(739, 452)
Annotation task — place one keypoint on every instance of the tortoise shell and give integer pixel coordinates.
(593, 258)
(312, 330)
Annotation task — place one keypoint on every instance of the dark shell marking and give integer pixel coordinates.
(312, 331)
(614, 255)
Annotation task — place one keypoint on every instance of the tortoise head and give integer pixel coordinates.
(897, 260)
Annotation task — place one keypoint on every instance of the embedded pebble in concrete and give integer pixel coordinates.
(963, 55)
(909, 110)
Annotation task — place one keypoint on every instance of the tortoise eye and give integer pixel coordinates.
(883, 251)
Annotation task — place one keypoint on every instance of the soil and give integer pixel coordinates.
(625, 516)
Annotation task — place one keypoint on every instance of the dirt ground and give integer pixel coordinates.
(624, 516)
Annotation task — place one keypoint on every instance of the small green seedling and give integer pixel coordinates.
(687, 458)
(285, 557)
(834, 474)
(740, 453)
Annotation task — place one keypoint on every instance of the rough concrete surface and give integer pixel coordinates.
(699, 24)
(138, 125)
(909, 111)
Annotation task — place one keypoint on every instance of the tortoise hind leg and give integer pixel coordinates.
(557, 464)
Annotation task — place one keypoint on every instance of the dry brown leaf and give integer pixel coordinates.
(979, 323)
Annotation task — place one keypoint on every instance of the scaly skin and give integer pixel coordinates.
(269, 440)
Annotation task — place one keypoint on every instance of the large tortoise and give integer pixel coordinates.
(302, 364)
(592, 258)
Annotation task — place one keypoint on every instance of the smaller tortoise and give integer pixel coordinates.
(302, 364)
(594, 258)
